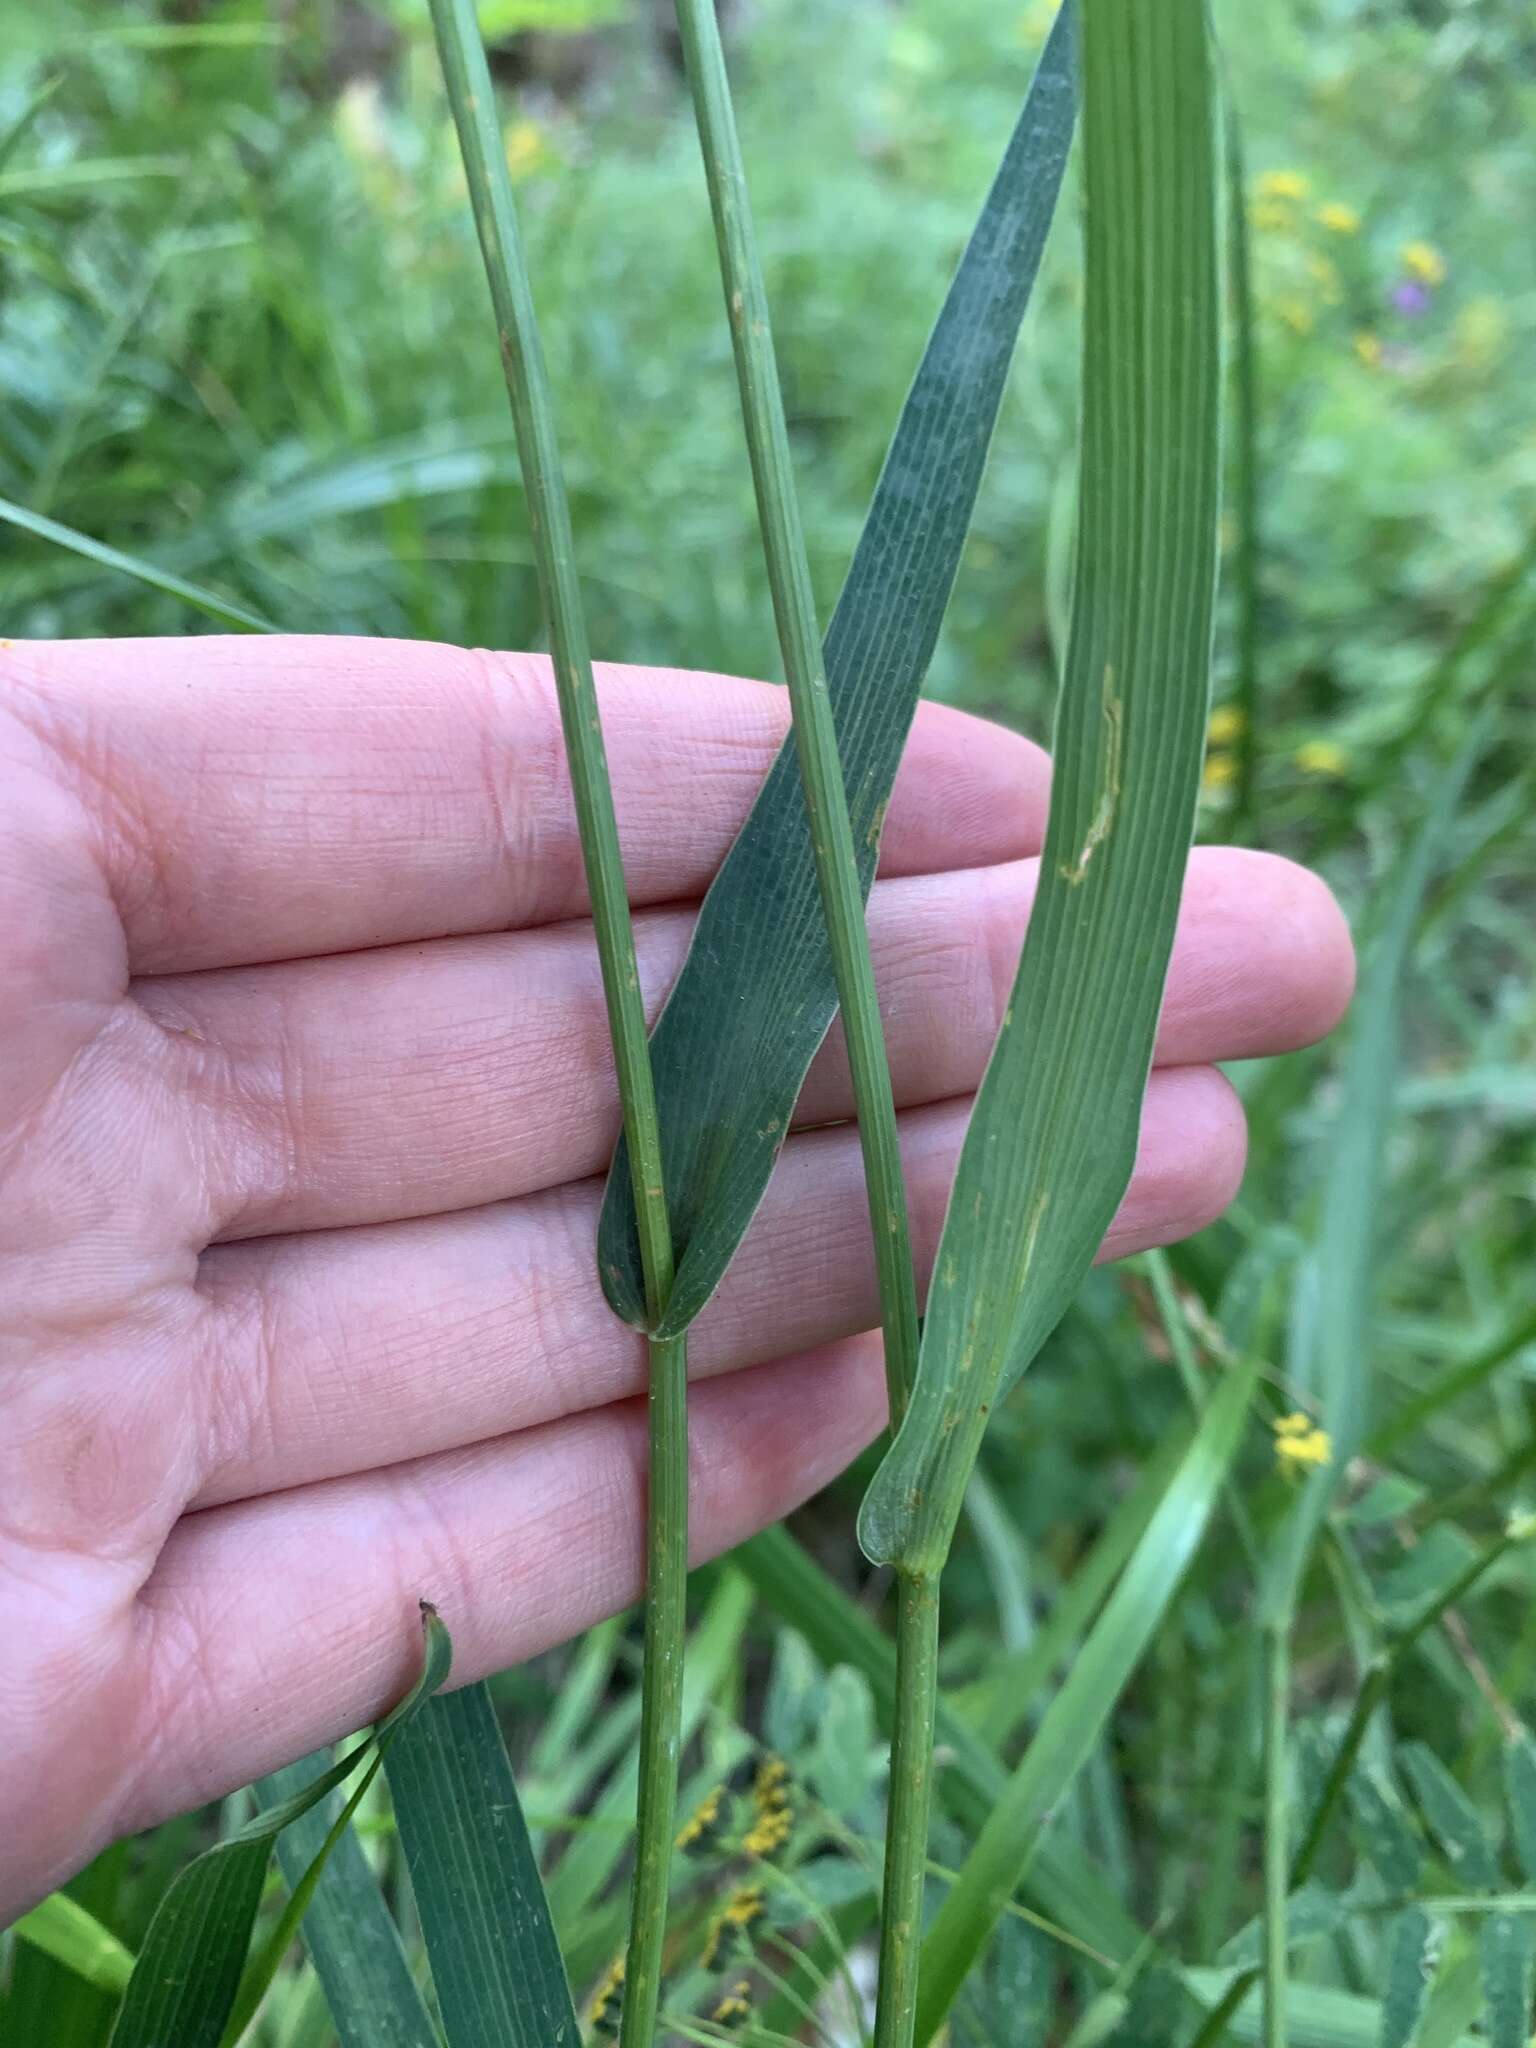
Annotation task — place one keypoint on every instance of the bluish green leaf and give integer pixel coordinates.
(1383, 1831)
(757, 993)
(1508, 1950)
(1520, 1783)
(1405, 1990)
(1452, 1818)
(490, 1939)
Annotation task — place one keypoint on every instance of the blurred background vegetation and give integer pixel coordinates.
(243, 334)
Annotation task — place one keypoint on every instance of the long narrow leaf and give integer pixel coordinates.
(757, 993)
(347, 1929)
(96, 551)
(1052, 1139)
(185, 1983)
(1080, 1711)
(1334, 1368)
(495, 1960)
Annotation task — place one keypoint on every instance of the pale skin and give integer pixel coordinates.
(305, 1102)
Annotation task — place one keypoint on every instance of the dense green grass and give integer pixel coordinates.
(261, 364)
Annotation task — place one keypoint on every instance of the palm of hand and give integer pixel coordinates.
(304, 1097)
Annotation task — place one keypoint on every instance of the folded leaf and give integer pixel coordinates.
(756, 994)
(185, 1983)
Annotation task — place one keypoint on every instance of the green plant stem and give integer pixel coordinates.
(490, 188)
(1277, 1681)
(842, 902)
(661, 1700)
(821, 776)
(906, 1841)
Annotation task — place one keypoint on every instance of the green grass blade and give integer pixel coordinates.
(1053, 1136)
(193, 594)
(495, 1960)
(347, 1929)
(757, 993)
(267, 1960)
(62, 1928)
(188, 1975)
(1335, 1369)
(1078, 1714)
(1245, 468)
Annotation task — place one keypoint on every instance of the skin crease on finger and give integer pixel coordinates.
(222, 816)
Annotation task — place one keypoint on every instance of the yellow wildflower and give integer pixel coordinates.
(1035, 22)
(607, 2000)
(731, 1922)
(736, 2005)
(527, 149)
(1368, 349)
(1299, 1442)
(1422, 260)
(1283, 185)
(1226, 723)
(1220, 773)
(1338, 218)
(1296, 314)
(1322, 757)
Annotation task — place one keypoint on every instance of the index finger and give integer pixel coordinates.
(268, 799)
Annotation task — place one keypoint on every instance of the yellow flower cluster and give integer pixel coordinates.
(731, 1922)
(736, 2005)
(1424, 263)
(703, 1824)
(1283, 185)
(1299, 1442)
(607, 2000)
(775, 1816)
(1322, 757)
(1368, 349)
(1338, 218)
(1225, 726)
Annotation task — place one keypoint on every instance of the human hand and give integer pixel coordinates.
(305, 1099)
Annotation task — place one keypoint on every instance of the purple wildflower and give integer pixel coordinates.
(1411, 297)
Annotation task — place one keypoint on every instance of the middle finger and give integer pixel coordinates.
(412, 1080)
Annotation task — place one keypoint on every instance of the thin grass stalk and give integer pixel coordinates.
(490, 187)
(842, 901)
(1277, 1685)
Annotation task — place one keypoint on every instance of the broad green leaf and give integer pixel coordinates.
(62, 1928)
(188, 1975)
(347, 1929)
(1452, 1818)
(490, 1940)
(1052, 1139)
(1310, 1912)
(1520, 1784)
(1078, 1714)
(1405, 1990)
(1332, 1364)
(757, 994)
(1316, 2016)
(1508, 1952)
